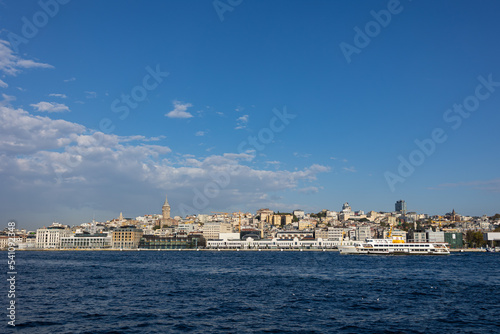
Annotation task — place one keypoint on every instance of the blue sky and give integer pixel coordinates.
(72, 147)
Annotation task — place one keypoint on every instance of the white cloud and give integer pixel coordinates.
(90, 95)
(200, 133)
(22, 133)
(28, 63)
(70, 79)
(7, 99)
(239, 108)
(50, 106)
(62, 96)
(241, 122)
(3, 84)
(76, 167)
(180, 110)
(301, 155)
(11, 64)
(350, 169)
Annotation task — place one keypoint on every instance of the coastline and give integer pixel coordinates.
(461, 250)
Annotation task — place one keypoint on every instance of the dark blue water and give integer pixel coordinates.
(255, 292)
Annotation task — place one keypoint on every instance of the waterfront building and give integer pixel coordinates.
(363, 233)
(234, 235)
(294, 234)
(87, 241)
(244, 234)
(454, 239)
(250, 243)
(400, 207)
(437, 236)
(212, 230)
(335, 233)
(4, 241)
(126, 237)
(28, 241)
(51, 237)
(321, 233)
(416, 236)
(493, 238)
(182, 241)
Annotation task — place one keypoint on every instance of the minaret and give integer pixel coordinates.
(165, 210)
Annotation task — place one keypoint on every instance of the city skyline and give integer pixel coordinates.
(164, 218)
(282, 105)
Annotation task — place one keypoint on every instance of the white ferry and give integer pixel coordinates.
(394, 246)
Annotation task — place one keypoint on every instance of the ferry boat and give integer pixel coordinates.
(394, 246)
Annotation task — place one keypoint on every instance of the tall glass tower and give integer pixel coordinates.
(401, 207)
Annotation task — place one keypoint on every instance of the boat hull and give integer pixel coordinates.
(391, 249)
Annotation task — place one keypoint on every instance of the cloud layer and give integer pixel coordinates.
(12, 64)
(50, 106)
(73, 166)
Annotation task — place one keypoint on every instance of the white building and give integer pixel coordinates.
(435, 236)
(212, 230)
(87, 241)
(187, 227)
(363, 232)
(51, 237)
(332, 214)
(229, 236)
(4, 241)
(346, 212)
(299, 214)
(275, 243)
(335, 234)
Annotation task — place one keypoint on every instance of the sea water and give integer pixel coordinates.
(254, 292)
